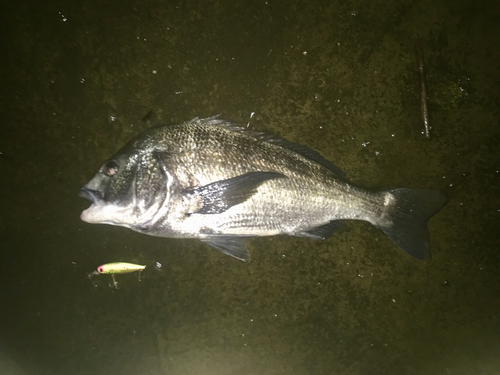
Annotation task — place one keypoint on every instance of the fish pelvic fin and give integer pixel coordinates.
(405, 218)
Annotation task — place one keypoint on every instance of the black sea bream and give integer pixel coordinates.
(211, 180)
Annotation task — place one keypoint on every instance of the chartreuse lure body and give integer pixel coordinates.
(117, 268)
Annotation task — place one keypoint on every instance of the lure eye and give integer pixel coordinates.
(110, 168)
(100, 269)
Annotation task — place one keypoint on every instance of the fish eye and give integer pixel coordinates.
(110, 168)
(100, 269)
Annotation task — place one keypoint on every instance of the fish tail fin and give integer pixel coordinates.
(405, 216)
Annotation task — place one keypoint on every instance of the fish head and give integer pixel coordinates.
(128, 190)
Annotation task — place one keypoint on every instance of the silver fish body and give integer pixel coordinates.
(211, 180)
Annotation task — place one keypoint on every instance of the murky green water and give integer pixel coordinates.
(79, 80)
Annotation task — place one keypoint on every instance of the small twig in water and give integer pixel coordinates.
(419, 53)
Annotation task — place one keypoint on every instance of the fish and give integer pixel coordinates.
(212, 180)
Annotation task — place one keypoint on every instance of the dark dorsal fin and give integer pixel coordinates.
(276, 140)
(308, 153)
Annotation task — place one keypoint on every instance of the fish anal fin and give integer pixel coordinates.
(231, 245)
(322, 232)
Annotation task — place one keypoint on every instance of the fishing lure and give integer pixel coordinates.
(117, 268)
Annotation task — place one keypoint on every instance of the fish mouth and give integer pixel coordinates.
(94, 196)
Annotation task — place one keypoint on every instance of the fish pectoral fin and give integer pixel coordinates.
(322, 232)
(231, 245)
(219, 196)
